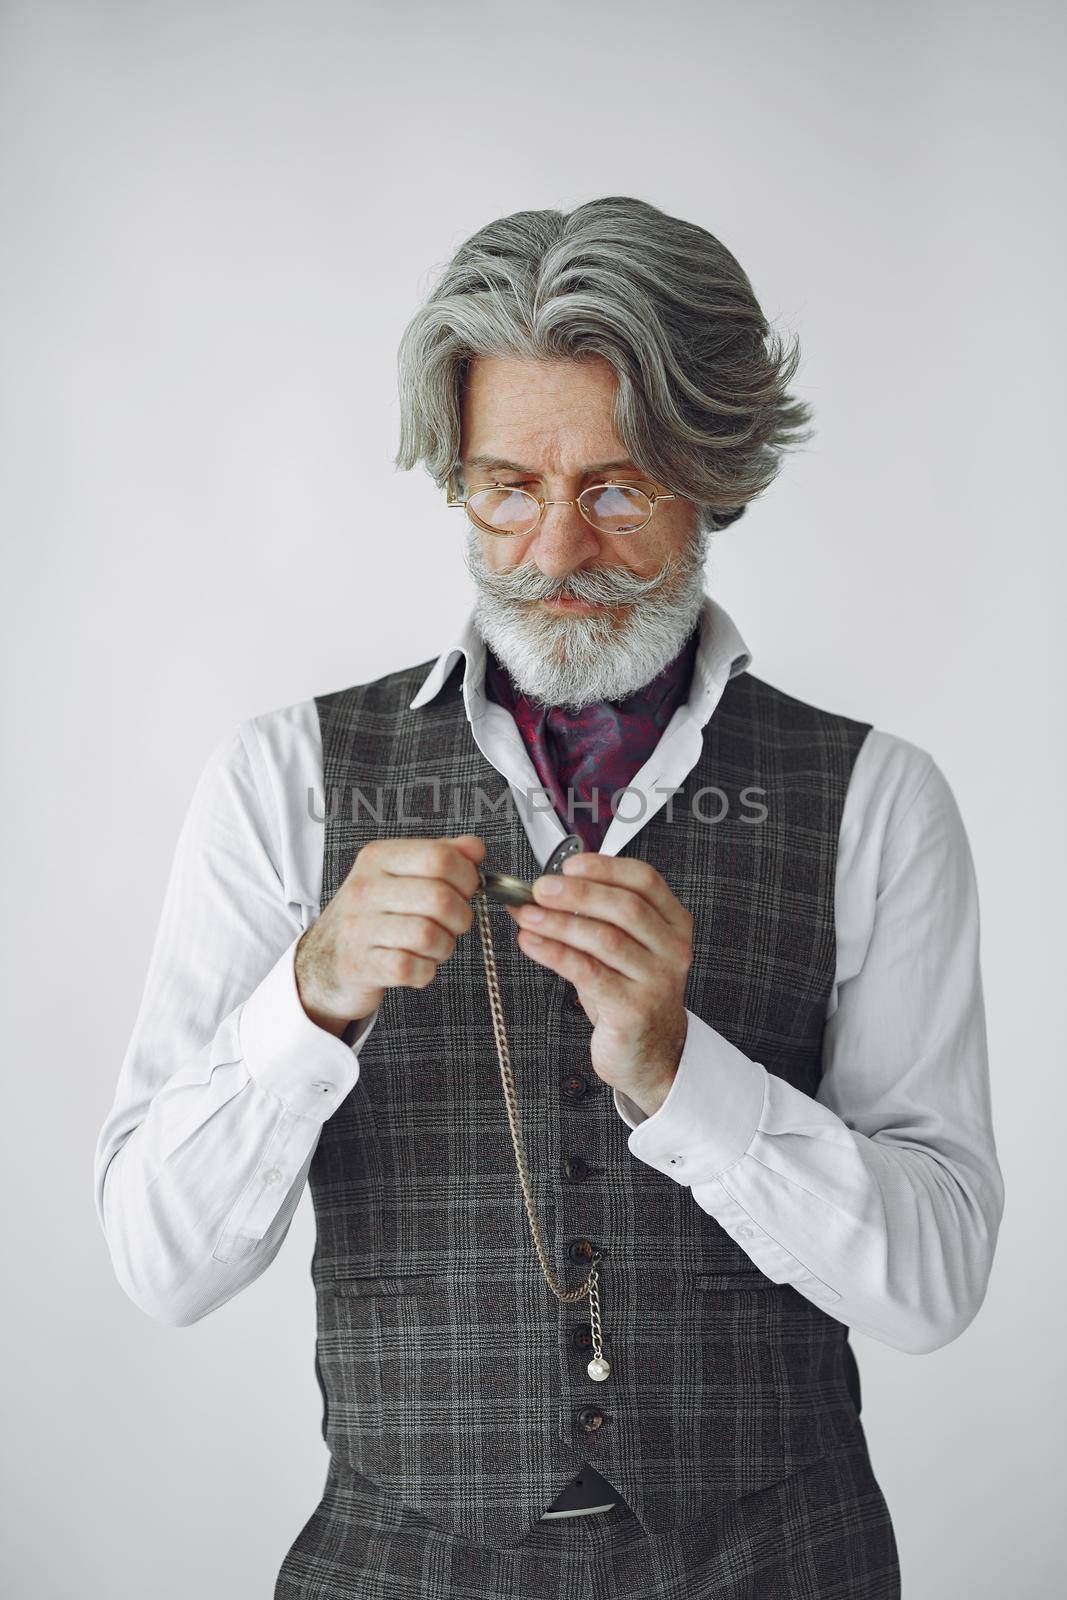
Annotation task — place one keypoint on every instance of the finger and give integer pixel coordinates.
(423, 936)
(596, 981)
(609, 944)
(629, 873)
(391, 969)
(424, 858)
(608, 903)
(427, 897)
(470, 844)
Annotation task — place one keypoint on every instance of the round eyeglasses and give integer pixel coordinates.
(615, 508)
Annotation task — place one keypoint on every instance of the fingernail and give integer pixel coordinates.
(550, 886)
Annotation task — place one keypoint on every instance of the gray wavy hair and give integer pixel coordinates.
(701, 403)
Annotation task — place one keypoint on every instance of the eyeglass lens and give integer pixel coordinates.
(612, 508)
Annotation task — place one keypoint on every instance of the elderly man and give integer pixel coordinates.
(602, 1179)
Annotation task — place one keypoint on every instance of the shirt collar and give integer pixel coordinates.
(721, 655)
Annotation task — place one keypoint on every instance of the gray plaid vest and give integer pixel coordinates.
(450, 1374)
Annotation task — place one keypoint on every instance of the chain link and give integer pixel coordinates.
(590, 1286)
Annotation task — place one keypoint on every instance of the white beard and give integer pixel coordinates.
(575, 661)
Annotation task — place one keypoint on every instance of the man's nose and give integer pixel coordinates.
(563, 541)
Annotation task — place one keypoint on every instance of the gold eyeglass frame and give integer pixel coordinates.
(452, 503)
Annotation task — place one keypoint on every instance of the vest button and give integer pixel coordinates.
(576, 1000)
(582, 1335)
(575, 1086)
(582, 1251)
(575, 1169)
(590, 1419)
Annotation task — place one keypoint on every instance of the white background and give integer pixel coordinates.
(216, 220)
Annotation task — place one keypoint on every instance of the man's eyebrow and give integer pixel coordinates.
(498, 464)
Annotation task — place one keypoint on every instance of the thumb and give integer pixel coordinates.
(470, 844)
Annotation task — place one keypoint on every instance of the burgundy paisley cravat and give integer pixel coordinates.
(596, 750)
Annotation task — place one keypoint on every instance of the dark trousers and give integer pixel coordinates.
(822, 1532)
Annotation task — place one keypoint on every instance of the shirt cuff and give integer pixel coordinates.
(307, 1068)
(710, 1116)
(355, 1033)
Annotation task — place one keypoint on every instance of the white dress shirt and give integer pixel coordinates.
(879, 1199)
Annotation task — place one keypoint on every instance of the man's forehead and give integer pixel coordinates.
(539, 394)
(490, 462)
(541, 417)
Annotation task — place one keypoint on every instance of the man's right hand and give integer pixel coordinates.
(392, 922)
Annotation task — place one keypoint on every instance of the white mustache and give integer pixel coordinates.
(600, 585)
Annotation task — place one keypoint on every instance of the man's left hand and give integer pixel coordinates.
(613, 927)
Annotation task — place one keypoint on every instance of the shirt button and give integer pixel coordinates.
(744, 1233)
(272, 1175)
(324, 1088)
(675, 1161)
(590, 1419)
